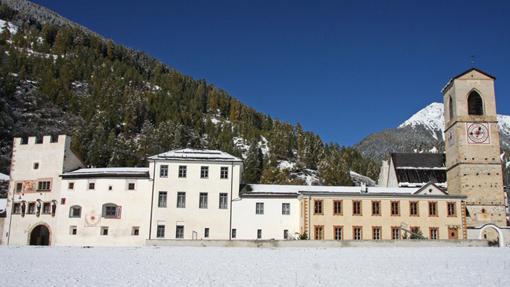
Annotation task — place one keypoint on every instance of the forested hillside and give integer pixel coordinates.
(121, 105)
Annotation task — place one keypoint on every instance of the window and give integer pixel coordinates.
(92, 185)
(413, 208)
(475, 104)
(110, 188)
(376, 233)
(162, 199)
(38, 140)
(16, 208)
(44, 185)
(73, 230)
(19, 187)
(70, 185)
(356, 207)
(204, 172)
(376, 208)
(104, 230)
(395, 232)
(163, 170)
(317, 206)
(31, 208)
(24, 140)
(234, 233)
(223, 200)
(415, 230)
(224, 172)
(111, 210)
(337, 207)
(206, 232)
(182, 171)
(160, 231)
(285, 208)
(318, 232)
(135, 231)
(338, 232)
(395, 208)
(285, 234)
(202, 203)
(357, 233)
(434, 233)
(259, 208)
(450, 108)
(46, 208)
(75, 211)
(131, 186)
(54, 139)
(259, 233)
(181, 199)
(179, 231)
(451, 209)
(432, 208)
(36, 165)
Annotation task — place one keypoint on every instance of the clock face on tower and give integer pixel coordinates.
(478, 133)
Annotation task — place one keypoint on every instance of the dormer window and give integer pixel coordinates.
(475, 104)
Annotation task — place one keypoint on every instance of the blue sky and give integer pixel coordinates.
(343, 69)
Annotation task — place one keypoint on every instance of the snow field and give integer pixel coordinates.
(198, 266)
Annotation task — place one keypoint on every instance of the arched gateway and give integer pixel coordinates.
(497, 229)
(40, 235)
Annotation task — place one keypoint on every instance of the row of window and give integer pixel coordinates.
(357, 232)
(34, 208)
(259, 208)
(42, 185)
(179, 232)
(92, 186)
(183, 171)
(103, 231)
(109, 210)
(39, 140)
(202, 203)
(376, 208)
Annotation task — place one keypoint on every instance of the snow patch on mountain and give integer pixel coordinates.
(12, 28)
(431, 118)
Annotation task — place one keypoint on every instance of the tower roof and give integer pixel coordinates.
(449, 84)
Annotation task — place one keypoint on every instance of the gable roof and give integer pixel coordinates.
(449, 83)
(196, 154)
(418, 160)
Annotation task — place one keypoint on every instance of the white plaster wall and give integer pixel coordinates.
(194, 219)
(272, 222)
(135, 212)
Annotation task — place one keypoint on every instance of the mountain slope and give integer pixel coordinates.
(122, 105)
(422, 132)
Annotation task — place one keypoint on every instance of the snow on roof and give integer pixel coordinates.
(108, 171)
(4, 177)
(275, 188)
(196, 154)
(3, 204)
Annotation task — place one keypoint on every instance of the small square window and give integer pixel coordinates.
(104, 230)
(234, 233)
(73, 230)
(46, 208)
(36, 165)
(224, 172)
(182, 171)
(92, 185)
(70, 185)
(19, 187)
(204, 172)
(131, 186)
(135, 231)
(38, 140)
(110, 188)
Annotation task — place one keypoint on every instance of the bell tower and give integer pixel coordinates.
(472, 147)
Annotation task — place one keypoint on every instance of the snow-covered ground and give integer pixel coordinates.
(199, 266)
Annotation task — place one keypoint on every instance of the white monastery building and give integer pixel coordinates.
(192, 194)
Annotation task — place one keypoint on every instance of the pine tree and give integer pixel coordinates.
(253, 165)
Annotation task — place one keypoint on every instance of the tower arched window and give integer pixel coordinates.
(450, 108)
(475, 104)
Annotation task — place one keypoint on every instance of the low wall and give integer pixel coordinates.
(318, 243)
